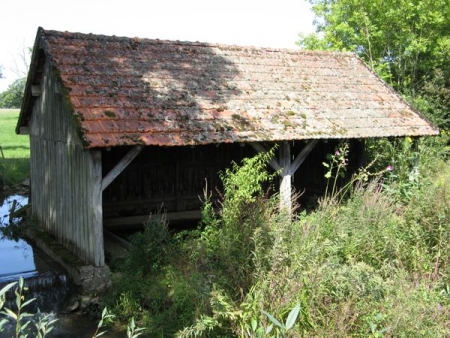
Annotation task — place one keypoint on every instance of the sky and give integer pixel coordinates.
(262, 23)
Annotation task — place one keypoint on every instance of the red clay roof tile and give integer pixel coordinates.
(127, 91)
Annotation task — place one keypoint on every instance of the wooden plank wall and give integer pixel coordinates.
(65, 179)
(172, 177)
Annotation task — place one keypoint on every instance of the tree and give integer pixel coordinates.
(13, 96)
(406, 42)
(22, 61)
(1, 72)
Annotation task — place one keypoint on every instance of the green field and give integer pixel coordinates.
(15, 155)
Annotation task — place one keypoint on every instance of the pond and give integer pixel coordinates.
(47, 281)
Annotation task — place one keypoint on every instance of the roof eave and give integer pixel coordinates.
(393, 91)
(37, 60)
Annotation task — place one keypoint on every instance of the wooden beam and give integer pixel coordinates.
(24, 131)
(141, 219)
(36, 90)
(112, 236)
(123, 163)
(303, 154)
(273, 162)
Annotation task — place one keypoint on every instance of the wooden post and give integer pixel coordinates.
(286, 177)
(97, 244)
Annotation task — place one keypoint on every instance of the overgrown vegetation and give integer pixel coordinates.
(15, 155)
(375, 263)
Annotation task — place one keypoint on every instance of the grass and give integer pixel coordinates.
(15, 162)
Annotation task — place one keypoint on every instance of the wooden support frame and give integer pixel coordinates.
(303, 154)
(119, 167)
(287, 168)
(260, 149)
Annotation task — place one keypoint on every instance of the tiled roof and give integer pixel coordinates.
(127, 91)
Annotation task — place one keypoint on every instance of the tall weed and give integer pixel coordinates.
(244, 216)
(428, 212)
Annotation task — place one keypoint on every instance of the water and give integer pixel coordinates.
(46, 280)
(16, 257)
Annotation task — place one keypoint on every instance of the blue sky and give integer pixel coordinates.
(265, 23)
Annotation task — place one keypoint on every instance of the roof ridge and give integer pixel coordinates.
(156, 41)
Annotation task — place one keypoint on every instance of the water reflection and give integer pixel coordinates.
(16, 256)
(16, 259)
(45, 279)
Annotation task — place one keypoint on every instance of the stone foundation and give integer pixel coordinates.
(90, 281)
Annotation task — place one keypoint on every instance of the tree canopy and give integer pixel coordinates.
(406, 42)
(13, 96)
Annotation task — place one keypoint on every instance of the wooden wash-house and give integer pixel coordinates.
(120, 126)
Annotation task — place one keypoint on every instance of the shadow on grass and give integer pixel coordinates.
(16, 147)
(14, 170)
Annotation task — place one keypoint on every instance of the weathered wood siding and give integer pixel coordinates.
(66, 180)
(171, 177)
